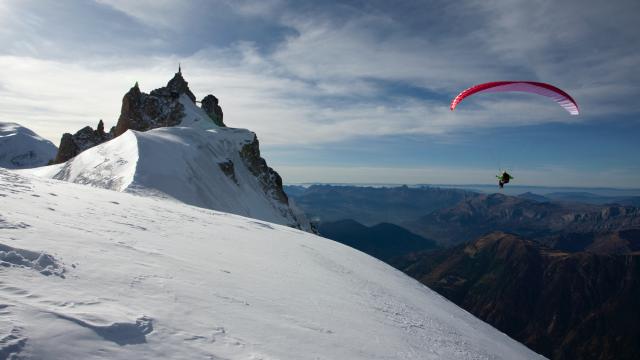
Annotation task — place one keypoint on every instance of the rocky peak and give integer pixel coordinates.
(177, 86)
(211, 107)
(100, 129)
(83, 139)
(141, 112)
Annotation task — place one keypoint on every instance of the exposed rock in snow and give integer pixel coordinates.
(21, 148)
(269, 179)
(143, 112)
(85, 138)
(211, 107)
(140, 111)
(160, 279)
(175, 87)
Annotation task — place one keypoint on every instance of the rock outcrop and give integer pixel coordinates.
(141, 112)
(85, 138)
(176, 86)
(269, 179)
(211, 107)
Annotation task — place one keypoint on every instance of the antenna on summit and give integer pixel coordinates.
(179, 69)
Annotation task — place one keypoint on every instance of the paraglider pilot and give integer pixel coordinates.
(503, 179)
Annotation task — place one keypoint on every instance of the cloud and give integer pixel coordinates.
(318, 73)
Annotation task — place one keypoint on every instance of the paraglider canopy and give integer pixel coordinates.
(550, 91)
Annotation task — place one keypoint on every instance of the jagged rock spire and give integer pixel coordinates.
(179, 85)
(83, 139)
(211, 107)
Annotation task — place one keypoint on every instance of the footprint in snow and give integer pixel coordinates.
(11, 344)
(42, 262)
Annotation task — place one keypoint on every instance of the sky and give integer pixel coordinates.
(351, 91)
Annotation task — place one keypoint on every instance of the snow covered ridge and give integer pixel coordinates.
(205, 168)
(148, 278)
(164, 144)
(21, 148)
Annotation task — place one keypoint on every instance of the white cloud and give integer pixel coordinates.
(316, 87)
(156, 13)
(54, 97)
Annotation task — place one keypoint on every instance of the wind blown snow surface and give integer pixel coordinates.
(21, 148)
(149, 278)
(183, 163)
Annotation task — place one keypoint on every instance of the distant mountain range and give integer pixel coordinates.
(476, 216)
(563, 305)
(453, 216)
(582, 197)
(373, 205)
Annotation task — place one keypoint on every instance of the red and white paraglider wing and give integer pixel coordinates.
(562, 98)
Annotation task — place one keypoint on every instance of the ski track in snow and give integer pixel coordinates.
(148, 278)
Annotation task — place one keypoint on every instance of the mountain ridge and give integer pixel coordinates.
(563, 305)
(476, 216)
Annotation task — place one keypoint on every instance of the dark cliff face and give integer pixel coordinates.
(142, 112)
(269, 179)
(563, 305)
(211, 107)
(85, 138)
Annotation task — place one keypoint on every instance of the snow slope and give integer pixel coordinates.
(89, 273)
(21, 148)
(183, 163)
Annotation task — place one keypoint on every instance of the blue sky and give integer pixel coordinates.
(351, 91)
